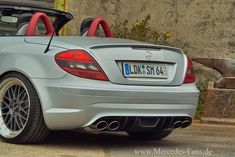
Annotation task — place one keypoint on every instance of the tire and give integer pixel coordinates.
(21, 117)
(150, 135)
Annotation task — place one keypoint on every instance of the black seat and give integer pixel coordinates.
(22, 23)
(85, 25)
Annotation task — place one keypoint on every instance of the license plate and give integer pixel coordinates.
(145, 70)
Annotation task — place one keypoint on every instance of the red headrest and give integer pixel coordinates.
(30, 31)
(94, 25)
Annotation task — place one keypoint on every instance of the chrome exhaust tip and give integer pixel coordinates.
(177, 124)
(102, 125)
(114, 125)
(185, 124)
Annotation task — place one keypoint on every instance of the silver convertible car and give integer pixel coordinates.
(89, 82)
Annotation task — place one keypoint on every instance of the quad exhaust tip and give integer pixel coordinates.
(102, 125)
(177, 124)
(185, 124)
(114, 125)
(181, 124)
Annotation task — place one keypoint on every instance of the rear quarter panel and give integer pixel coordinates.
(29, 59)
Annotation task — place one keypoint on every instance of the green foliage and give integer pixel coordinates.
(140, 31)
(202, 86)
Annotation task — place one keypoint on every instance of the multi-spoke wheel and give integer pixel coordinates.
(14, 107)
(21, 119)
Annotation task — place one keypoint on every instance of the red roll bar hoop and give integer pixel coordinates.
(30, 31)
(94, 26)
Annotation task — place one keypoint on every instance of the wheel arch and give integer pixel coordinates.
(12, 71)
(29, 79)
(5, 73)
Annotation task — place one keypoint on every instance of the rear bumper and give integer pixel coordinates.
(71, 102)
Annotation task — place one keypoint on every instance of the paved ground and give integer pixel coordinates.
(199, 140)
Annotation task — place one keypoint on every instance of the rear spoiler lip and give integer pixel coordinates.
(137, 46)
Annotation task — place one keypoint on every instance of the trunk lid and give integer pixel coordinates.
(114, 57)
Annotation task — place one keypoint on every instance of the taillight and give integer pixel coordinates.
(189, 76)
(81, 64)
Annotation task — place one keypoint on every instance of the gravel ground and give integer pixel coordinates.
(201, 140)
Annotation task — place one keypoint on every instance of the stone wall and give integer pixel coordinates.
(206, 28)
(219, 105)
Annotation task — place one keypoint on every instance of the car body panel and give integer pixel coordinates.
(111, 53)
(78, 102)
(29, 59)
(70, 102)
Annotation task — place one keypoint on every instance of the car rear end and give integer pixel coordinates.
(120, 86)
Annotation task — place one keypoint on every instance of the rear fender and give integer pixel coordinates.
(31, 61)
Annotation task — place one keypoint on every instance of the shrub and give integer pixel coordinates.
(140, 31)
(202, 86)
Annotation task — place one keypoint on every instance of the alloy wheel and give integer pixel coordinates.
(14, 107)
